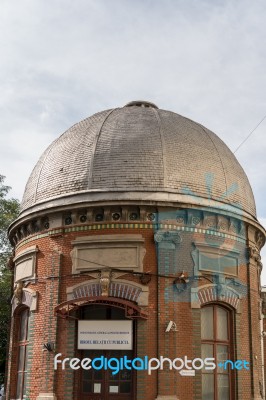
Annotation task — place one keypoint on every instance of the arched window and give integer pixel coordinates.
(23, 319)
(216, 342)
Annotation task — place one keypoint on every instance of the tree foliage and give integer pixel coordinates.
(9, 209)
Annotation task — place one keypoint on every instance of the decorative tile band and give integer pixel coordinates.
(153, 226)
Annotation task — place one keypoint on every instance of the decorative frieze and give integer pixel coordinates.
(182, 219)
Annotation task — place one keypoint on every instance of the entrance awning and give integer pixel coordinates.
(132, 311)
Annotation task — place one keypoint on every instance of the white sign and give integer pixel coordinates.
(105, 335)
(97, 388)
(113, 389)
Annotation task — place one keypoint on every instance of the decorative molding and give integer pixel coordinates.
(254, 255)
(70, 218)
(18, 291)
(105, 280)
(28, 298)
(46, 396)
(101, 226)
(260, 239)
(124, 252)
(215, 259)
(167, 238)
(79, 219)
(119, 288)
(25, 264)
(215, 293)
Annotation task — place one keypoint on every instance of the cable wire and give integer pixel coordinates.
(250, 134)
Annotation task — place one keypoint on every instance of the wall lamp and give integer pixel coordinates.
(181, 282)
(49, 346)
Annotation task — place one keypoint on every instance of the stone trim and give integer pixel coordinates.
(150, 225)
(209, 293)
(68, 377)
(29, 299)
(31, 338)
(119, 288)
(214, 252)
(28, 250)
(25, 263)
(46, 396)
(124, 252)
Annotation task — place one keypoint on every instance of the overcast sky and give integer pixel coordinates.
(63, 60)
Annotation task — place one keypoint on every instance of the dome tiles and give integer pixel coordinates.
(138, 153)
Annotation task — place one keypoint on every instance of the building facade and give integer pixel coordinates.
(137, 241)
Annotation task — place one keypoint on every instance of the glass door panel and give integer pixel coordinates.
(103, 384)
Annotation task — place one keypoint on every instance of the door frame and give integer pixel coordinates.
(78, 353)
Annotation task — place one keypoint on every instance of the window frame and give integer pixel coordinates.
(20, 385)
(215, 342)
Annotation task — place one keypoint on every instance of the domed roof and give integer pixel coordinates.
(138, 153)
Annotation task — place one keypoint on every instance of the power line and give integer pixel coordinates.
(250, 134)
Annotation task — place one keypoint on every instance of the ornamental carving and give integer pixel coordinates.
(233, 226)
(242, 229)
(195, 220)
(210, 222)
(18, 292)
(167, 236)
(254, 254)
(259, 237)
(222, 223)
(105, 280)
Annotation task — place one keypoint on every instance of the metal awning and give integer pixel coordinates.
(132, 311)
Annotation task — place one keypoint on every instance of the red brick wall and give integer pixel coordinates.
(164, 305)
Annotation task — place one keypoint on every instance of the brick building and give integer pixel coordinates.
(137, 238)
